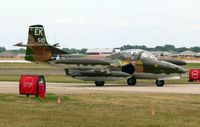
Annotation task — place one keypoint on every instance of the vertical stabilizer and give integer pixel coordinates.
(37, 47)
(36, 35)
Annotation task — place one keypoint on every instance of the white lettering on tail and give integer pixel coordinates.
(38, 32)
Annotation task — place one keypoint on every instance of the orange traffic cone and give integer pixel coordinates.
(59, 102)
(152, 112)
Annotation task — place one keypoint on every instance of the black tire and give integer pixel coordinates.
(99, 83)
(131, 81)
(160, 83)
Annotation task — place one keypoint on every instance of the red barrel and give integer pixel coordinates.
(194, 75)
(32, 85)
(42, 90)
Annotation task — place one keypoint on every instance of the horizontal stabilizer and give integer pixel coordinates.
(56, 45)
(55, 50)
(30, 45)
(52, 48)
(20, 44)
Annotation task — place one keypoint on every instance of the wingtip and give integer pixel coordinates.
(18, 44)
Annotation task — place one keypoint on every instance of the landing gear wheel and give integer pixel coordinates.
(160, 83)
(131, 81)
(99, 83)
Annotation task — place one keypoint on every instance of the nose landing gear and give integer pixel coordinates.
(99, 83)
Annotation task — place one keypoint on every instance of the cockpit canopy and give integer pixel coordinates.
(135, 54)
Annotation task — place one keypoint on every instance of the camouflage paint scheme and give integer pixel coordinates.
(129, 63)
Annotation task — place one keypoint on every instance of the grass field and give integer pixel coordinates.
(67, 79)
(27, 66)
(191, 65)
(101, 110)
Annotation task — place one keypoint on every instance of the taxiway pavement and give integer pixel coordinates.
(65, 88)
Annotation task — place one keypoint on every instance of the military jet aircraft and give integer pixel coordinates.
(129, 64)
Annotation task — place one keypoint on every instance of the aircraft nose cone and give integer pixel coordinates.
(172, 68)
(181, 70)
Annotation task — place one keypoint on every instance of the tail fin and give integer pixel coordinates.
(36, 35)
(37, 47)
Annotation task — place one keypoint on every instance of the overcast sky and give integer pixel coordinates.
(102, 23)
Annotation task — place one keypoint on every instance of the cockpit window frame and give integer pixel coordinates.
(135, 54)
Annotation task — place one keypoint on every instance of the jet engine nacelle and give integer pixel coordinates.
(129, 68)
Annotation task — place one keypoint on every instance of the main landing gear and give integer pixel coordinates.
(160, 83)
(99, 83)
(131, 81)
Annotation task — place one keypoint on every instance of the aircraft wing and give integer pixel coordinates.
(83, 61)
(83, 64)
(90, 69)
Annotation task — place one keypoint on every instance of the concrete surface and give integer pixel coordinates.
(65, 88)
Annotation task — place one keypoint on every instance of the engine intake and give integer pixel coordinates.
(129, 68)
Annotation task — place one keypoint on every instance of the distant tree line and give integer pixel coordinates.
(2, 49)
(166, 47)
(75, 51)
(162, 48)
(20, 51)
